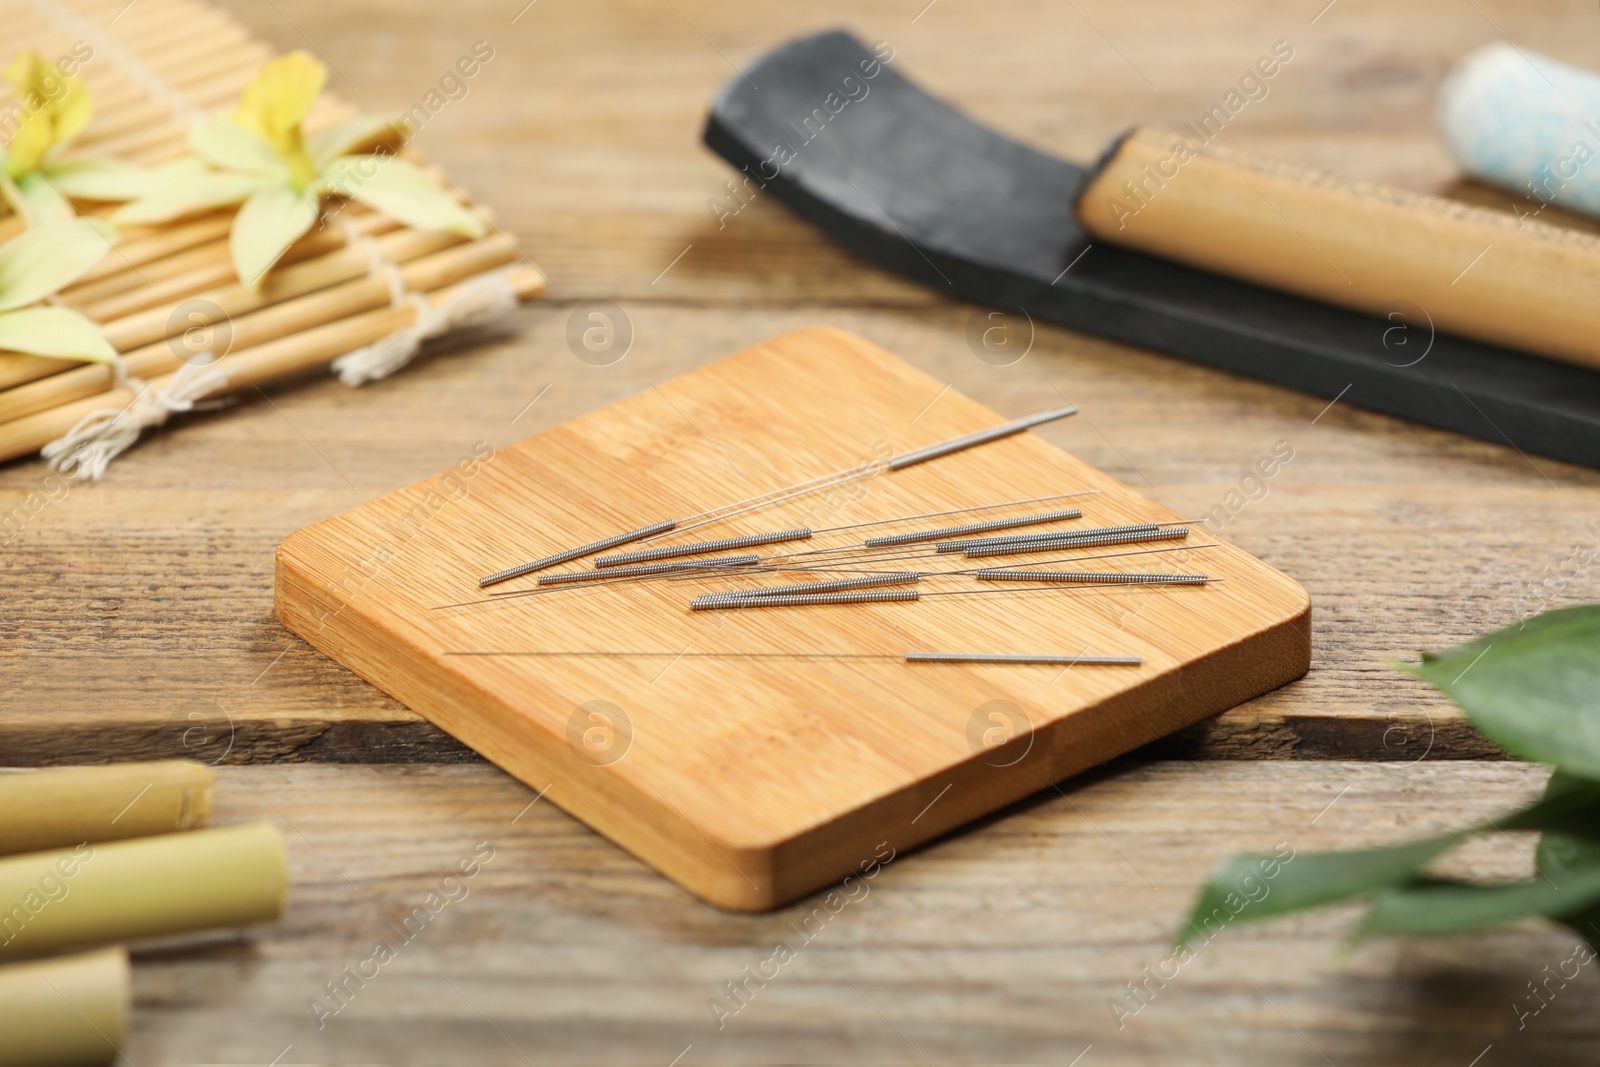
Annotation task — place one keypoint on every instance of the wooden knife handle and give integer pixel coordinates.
(1474, 272)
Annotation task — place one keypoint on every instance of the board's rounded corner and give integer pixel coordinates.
(811, 334)
(744, 884)
(1300, 625)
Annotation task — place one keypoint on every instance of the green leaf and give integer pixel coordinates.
(266, 226)
(58, 332)
(1560, 854)
(1570, 806)
(1314, 879)
(186, 193)
(224, 143)
(101, 179)
(36, 200)
(1533, 689)
(1437, 908)
(340, 138)
(401, 191)
(39, 262)
(1248, 888)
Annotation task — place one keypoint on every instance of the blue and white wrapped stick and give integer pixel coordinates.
(1527, 123)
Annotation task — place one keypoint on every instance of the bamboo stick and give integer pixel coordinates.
(65, 806)
(149, 887)
(18, 368)
(288, 355)
(303, 277)
(264, 316)
(197, 269)
(69, 1011)
(152, 244)
(159, 241)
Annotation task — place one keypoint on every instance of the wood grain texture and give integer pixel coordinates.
(752, 781)
(1008, 943)
(149, 595)
(139, 612)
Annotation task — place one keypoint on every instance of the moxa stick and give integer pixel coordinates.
(69, 1011)
(1482, 274)
(152, 887)
(66, 806)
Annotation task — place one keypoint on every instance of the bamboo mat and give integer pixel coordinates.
(154, 67)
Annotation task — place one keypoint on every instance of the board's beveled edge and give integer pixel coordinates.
(767, 873)
(727, 876)
(1257, 664)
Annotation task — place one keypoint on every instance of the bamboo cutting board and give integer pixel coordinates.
(752, 781)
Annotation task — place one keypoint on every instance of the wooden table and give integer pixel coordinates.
(139, 614)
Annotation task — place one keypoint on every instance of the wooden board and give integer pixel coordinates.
(753, 781)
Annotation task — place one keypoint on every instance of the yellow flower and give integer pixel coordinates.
(274, 105)
(55, 108)
(260, 158)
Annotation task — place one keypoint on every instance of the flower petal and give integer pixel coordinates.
(42, 261)
(36, 200)
(281, 96)
(53, 109)
(58, 332)
(270, 221)
(401, 191)
(226, 144)
(186, 193)
(339, 139)
(71, 108)
(101, 179)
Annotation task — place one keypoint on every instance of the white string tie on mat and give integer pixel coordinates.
(157, 87)
(87, 449)
(473, 303)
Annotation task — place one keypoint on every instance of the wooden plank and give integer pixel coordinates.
(751, 781)
(1439, 537)
(1006, 943)
(1406, 538)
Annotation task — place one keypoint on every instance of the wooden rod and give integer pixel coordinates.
(198, 270)
(148, 887)
(69, 1011)
(289, 355)
(65, 806)
(1474, 272)
(259, 318)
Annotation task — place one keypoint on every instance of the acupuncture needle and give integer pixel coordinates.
(606, 578)
(806, 533)
(862, 552)
(751, 541)
(958, 511)
(875, 581)
(600, 577)
(649, 533)
(921, 455)
(825, 569)
(996, 658)
(713, 602)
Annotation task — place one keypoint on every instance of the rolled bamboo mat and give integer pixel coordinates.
(166, 296)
